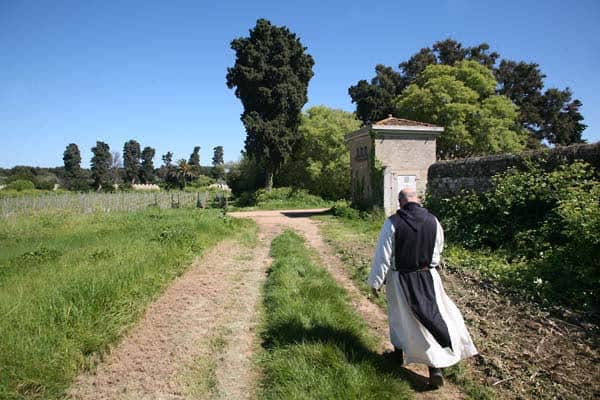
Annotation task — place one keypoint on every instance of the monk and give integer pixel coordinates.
(425, 325)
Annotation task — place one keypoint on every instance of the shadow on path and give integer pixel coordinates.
(352, 346)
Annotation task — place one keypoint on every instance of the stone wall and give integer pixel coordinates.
(447, 178)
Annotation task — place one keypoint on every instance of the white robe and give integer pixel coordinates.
(406, 332)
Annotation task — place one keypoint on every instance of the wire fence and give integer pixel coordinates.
(108, 202)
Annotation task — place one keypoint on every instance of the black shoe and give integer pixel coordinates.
(398, 355)
(395, 356)
(435, 377)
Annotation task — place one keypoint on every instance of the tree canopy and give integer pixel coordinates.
(462, 99)
(550, 115)
(131, 161)
(321, 162)
(270, 77)
(100, 165)
(147, 167)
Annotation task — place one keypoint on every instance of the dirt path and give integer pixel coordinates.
(373, 315)
(197, 340)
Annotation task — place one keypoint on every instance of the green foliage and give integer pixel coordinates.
(72, 162)
(147, 167)
(343, 209)
(20, 185)
(245, 176)
(321, 162)
(101, 165)
(131, 161)
(461, 99)
(71, 285)
(548, 223)
(286, 197)
(551, 115)
(270, 76)
(317, 346)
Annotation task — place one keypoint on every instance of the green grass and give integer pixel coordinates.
(316, 346)
(71, 284)
(354, 239)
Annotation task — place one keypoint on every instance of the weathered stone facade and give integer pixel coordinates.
(448, 178)
(387, 156)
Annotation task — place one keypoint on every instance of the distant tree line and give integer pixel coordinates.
(108, 169)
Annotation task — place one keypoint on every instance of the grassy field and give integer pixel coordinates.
(71, 284)
(316, 346)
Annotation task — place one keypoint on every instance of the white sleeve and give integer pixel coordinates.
(439, 245)
(382, 260)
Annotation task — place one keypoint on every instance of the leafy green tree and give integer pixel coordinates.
(100, 165)
(131, 161)
(184, 172)
(548, 116)
(147, 168)
(462, 99)
(168, 172)
(321, 162)
(73, 176)
(374, 100)
(245, 176)
(270, 77)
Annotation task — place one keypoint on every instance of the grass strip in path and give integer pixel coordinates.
(72, 284)
(316, 345)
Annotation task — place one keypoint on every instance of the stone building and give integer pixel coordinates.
(387, 156)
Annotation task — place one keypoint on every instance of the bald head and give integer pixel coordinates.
(407, 195)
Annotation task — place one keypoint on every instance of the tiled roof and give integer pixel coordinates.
(404, 122)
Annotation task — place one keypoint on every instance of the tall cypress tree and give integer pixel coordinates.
(131, 161)
(72, 162)
(101, 165)
(147, 168)
(270, 77)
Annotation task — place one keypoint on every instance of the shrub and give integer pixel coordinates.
(550, 221)
(288, 197)
(21, 184)
(343, 209)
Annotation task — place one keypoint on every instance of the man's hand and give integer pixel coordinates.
(375, 292)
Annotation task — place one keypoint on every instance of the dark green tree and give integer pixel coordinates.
(194, 160)
(217, 156)
(147, 168)
(270, 77)
(373, 100)
(72, 162)
(131, 161)
(561, 120)
(100, 165)
(549, 115)
(218, 163)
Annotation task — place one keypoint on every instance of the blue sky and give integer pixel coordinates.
(82, 71)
